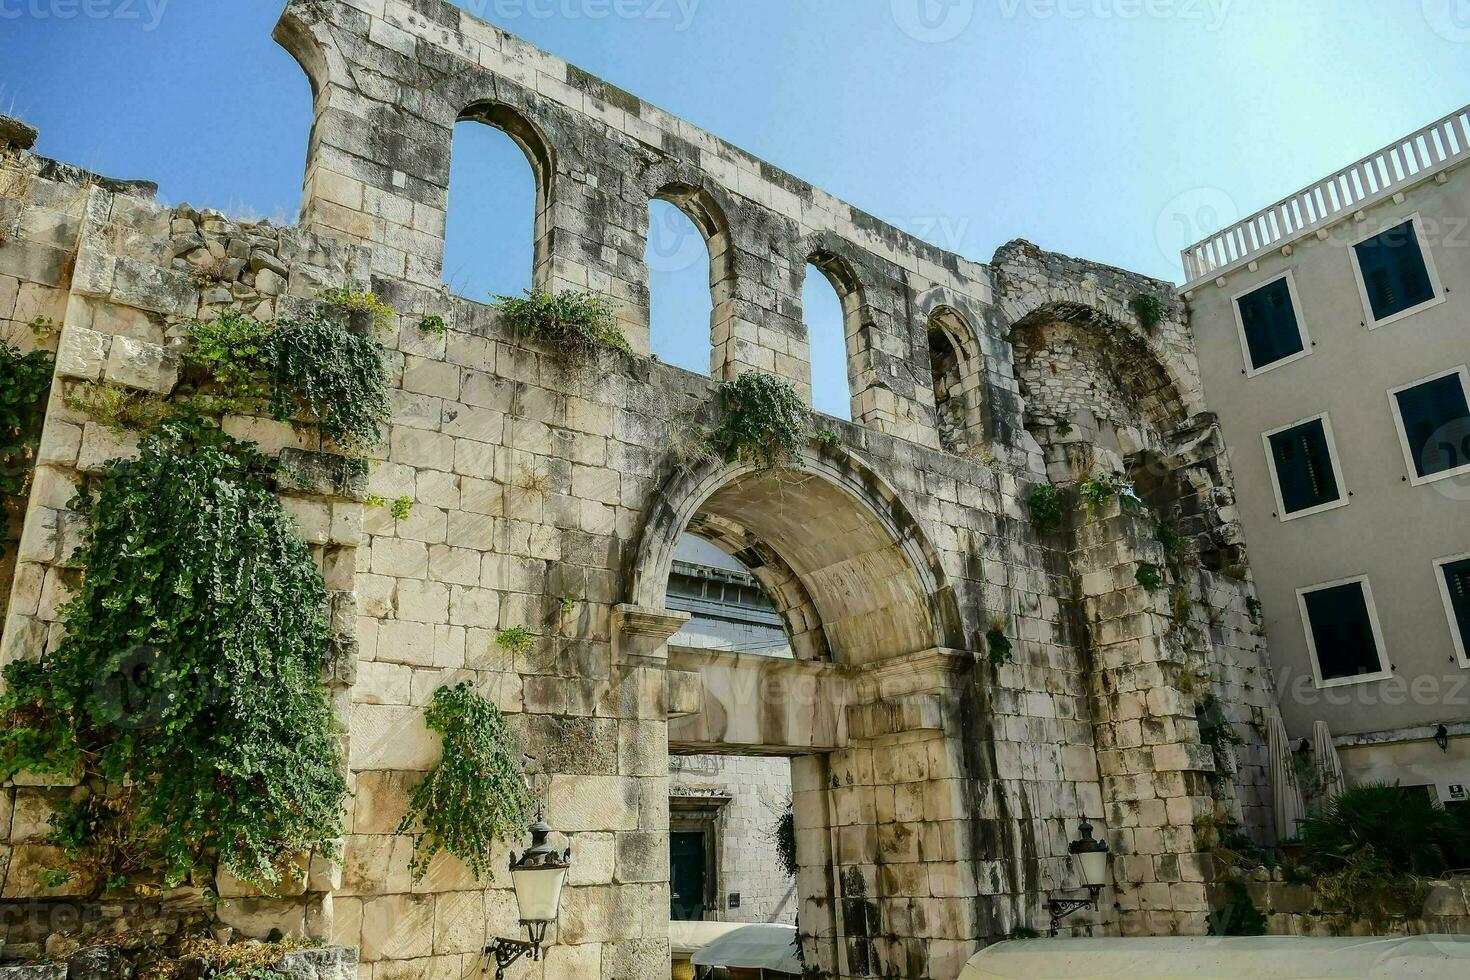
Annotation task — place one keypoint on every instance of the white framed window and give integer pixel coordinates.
(1306, 475)
(1395, 272)
(1432, 416)
(1453, 576)
(1269, 321)
(1343, 636)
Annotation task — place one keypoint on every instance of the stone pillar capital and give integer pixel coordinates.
(641, 634)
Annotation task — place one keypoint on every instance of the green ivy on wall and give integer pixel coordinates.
(313, 368)
(190, 674)
(477, 796)
(764, 421)
(25, 380)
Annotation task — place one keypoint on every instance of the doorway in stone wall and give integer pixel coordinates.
(856, 692)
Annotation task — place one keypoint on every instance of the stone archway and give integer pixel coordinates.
(878, 767)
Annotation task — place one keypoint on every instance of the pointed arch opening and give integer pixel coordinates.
(497, 226)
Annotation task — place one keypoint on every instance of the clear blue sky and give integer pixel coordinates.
(1086, 126)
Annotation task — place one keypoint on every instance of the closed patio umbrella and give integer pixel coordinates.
(1285, 789)
(1329, 766)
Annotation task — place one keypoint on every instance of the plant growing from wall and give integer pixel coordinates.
(1168, 536)
(25, 381)
(120, 409)
(383, 315)
(476, 797)
(190, 673)
(763, 421)
(1099, 490)
(1149, 576)
(782, 836)
(1149, 310)
(516, 640)
(997, 644)
(1215, 729)
(579, 323)
(311, 368)
(433, 323)
(1047, 507)
(1253, 609)
(400, 507)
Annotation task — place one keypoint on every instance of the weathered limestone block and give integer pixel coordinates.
(139, 364)
(81, 353)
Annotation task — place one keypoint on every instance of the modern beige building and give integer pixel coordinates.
(1334, 337)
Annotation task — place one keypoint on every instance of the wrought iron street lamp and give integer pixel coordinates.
(537, 876)
(1092, 861)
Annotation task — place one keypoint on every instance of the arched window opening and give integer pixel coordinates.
(496, 206)
(680, 303)
(957, 383)
(826, 328)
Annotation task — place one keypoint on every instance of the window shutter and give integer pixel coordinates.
(1457, 579)
(1342, 631)
(1394, 273)
(1270, 323)
(1436, 421)
(1304, 467)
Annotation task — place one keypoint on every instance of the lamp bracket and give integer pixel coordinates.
(507, 951)
(1060, 908)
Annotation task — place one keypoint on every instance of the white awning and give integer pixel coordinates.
(766, 946)
(1225, 958)
(689, 937)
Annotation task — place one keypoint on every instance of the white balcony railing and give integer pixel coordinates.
(1438, 146)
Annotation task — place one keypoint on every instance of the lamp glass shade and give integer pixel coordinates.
(538, 892)
(1094, 867)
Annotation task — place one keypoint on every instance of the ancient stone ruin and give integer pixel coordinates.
(969, 683)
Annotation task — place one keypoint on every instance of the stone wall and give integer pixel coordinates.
(935, 791)
(1293, 909)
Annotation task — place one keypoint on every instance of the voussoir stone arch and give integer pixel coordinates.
(864, 562)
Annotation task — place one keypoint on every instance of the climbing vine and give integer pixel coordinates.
(477, 796)
(313, 368)
(579, 323)
(25, 380)
(190, 674)
(764, 422)
(782, 836)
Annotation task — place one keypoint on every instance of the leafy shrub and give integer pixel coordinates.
(764, 423)
(827, 438)
(1046, 505)
(1215, 729)
(313, 368)
(476, 797)
(1168, 536)
(190, 674)
(25, 381)
(1149, 576)
(433, 323)
(1401, 827)
(362, 302)
(1149, 310)
(581, 324)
